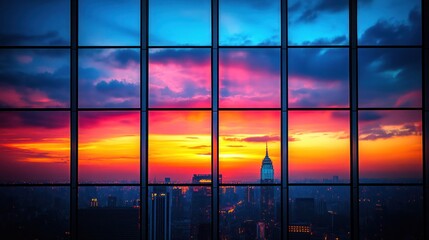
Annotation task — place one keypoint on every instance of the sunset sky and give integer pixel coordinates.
(34, 147)
(390, 146)
(242, 139)
(109, 146)
(179, 145)
(319, 145)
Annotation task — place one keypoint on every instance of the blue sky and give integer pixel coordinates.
(35, 23)
(389, 22)
(109, 22)
(179, 23)
(319, 22)
(244, 23)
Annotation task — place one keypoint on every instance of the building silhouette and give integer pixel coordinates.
(267, 197)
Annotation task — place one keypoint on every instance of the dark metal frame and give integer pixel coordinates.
(284, 184)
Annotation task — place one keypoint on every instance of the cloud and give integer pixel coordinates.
(318, 77)
(35, 119)
(387, 32)
(369, 116)
(198, 147)
(390, 77)
(310, 12)
(380, 133)
(235, 146)
(116, 88)
(265, 138)
(50, 38)
(183, 56)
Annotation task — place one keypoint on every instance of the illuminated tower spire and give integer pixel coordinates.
(267, 170)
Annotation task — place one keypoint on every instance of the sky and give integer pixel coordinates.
(179, 145)
(243, 136)
(179, 78)
(34, 147)
(109, 22)
(318, 77)
(330, 18)
(109, 146)
(249, 78)
(41, 29)
(180, 23)
(398, 23)
(390, 146)
(319, 149)
(249, 23)
(35, 78)
(109, 78)
(390, 77)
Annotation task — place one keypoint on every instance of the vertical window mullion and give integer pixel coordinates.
(284, 123)
(73, 118)
(144, 206)
(215, 119)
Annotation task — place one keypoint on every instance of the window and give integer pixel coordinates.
(214, 119)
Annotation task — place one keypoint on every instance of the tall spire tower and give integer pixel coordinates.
(267, 170)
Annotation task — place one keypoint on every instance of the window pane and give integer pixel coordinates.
(318, 77)
(319, 146)
(399, 23)
(249, 212)
(319, 212)
(179, 146)
(249, 78)
(390, 77)
(34, 147)
(109, 213)
(109, 147)
(34, 213)
(180, 23)
(249, 23)
(34, 78)
(249, 146)
(390, 146)
(109, 23)
(391, 212)
(27, 23)
(179, 212)
(179, 78)
(109, 78)
(330, 18)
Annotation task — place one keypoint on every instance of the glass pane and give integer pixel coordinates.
(391, 213)
(319, 212)
(34, 78)
(319, 146)
(109, 147)
(249, 212)
(180, 23)
(109, 213)
(34, 213)
(179, 212)
(35, 147)
(109, 78)
(249, 23)
(27, 23)
(318, 77)
(390, 77)
(109, 23)
(249, 78)
(249, 146)
(390, 146)
(330, 18)
(179, 146)
(179, 78)
(399, 23)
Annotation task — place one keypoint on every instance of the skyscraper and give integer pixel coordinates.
(267, 194)
(267, 170)
(160, 226)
